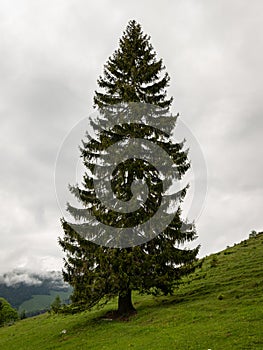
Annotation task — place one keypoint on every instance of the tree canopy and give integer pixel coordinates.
(7, 313)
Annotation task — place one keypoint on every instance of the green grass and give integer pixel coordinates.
(220, 309)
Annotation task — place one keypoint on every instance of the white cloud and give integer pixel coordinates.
(14, 278)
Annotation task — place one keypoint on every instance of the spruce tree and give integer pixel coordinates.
(100, 272)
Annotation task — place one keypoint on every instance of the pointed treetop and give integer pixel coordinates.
(133, 73)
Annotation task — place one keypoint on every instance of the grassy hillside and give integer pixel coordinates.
(222, 308)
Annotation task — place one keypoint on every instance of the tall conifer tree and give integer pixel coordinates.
(132, 75)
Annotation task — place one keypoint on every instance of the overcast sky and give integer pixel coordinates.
(51, 54)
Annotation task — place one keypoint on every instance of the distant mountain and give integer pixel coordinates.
(33, 292)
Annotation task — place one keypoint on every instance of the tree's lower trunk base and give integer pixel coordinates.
(125, 307)
(115, 315)
(125, 314)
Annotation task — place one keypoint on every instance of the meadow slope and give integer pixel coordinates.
(220, 309)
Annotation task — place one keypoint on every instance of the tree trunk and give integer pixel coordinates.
(125, 306)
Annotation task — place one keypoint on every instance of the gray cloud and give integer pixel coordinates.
(30, 278)
(14, 278)
(50, 58)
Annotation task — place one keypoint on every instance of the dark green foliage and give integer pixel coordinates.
(98, 273)
(214, 261)
(56, 305)
(253, 234)
(7, 313)
(22, 315)
(133, 73)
